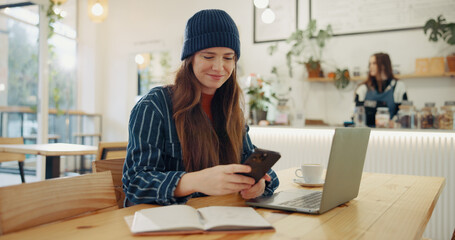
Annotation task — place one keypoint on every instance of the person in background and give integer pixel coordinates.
(381, 89)
(190, 138)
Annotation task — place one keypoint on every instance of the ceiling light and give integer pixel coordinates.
(139, 59)
(142, 60)
(261, 3)
(97, 10)
(268, 16)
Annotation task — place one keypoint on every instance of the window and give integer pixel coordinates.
(19, 68)
(153, 69)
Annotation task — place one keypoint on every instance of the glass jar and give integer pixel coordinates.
(382, 117)
(447, 115)
(429, 116)
(282, 112)
(359, 116)
(406, 116)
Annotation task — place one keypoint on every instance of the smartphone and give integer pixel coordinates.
(261, 161)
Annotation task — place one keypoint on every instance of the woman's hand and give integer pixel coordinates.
(218, 180)
(257, 189)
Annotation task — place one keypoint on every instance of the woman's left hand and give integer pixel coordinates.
(257, 189)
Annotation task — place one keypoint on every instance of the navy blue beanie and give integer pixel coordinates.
(210, 28)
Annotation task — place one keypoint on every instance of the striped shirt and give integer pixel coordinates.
(154, 165)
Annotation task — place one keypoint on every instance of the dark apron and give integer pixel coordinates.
(374, 99)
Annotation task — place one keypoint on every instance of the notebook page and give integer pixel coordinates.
(231, 218)
(168, 218)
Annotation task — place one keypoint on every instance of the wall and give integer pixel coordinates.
(107, 70)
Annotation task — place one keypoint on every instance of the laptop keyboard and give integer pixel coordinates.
(312, 200)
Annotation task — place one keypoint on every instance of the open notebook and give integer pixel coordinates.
(184, 219)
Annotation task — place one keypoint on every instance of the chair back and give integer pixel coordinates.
(116, 168)
(5, 157)
(31, 204)
(111, 150)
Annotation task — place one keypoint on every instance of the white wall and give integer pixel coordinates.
(107, 70)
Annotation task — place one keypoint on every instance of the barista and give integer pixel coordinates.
(381, 89)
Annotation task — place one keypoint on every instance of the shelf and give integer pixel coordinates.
(404, 76)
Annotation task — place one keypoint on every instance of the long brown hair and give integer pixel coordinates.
(384, 65)
(202, 145)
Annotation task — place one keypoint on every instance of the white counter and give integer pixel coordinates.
(396, 151)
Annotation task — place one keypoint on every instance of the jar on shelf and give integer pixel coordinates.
(447, 115)
(429, 116)
(406, 116)
(382, 117)
(282, 112)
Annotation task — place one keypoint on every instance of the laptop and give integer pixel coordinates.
(342, 181)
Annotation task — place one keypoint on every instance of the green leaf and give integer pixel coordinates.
(450, 34)
(272, 48)
(436, 28)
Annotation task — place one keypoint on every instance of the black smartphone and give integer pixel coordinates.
(261, 161)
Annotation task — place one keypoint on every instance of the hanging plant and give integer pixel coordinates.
(53, 17)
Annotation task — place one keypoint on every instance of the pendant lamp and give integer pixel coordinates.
(97, 10)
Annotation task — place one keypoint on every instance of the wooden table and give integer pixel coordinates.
(52, 151)
(388, 207)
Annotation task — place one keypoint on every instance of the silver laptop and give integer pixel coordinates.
(342, 181)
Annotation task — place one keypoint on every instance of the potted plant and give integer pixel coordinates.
(440, 29)
(259, 98)
(306, 48)
(341, 78)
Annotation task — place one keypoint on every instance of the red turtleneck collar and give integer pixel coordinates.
(206, 105)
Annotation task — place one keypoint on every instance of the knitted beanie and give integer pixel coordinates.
(210, 28)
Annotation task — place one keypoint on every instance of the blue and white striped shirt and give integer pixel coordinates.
(153, 165)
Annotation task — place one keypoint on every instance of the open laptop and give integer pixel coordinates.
(342, 181)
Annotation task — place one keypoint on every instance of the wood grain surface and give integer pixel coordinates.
(388, 207)
(26, 205)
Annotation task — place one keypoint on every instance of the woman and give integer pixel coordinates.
(381, 89)
(188, 139)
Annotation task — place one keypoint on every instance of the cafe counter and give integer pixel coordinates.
(394, 151)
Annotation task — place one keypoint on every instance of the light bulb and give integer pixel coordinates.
(63, 13)
(139, 59)
(97, 9)
(261, 3)
(268, 16)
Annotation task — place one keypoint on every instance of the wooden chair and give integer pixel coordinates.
(111, 150)
(27, 205)
(6, 157)
(116, 168)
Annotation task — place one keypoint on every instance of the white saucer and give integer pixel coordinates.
(302, 183)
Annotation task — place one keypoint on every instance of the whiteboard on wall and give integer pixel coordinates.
(367, 16)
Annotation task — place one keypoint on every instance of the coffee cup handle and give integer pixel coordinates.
(297, 171)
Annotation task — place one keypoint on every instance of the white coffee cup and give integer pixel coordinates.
(311, 173)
